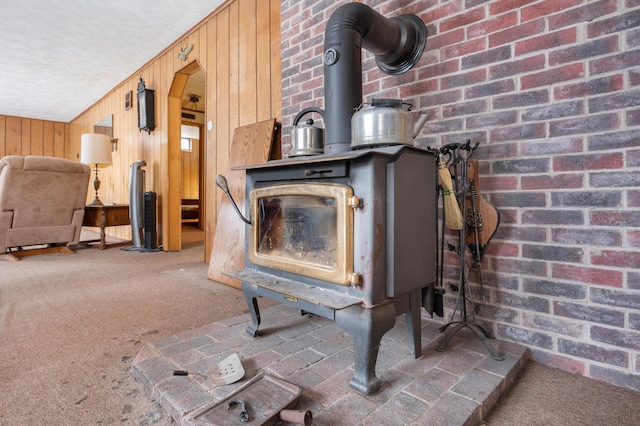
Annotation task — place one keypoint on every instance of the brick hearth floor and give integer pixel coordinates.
(455, 387)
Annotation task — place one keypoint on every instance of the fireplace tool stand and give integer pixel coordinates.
(464, 301)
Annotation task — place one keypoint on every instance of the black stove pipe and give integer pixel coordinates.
(397, 44)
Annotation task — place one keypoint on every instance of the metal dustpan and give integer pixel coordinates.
(227, 371)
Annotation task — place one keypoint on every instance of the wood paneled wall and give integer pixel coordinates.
(238, 48)
(26, 136)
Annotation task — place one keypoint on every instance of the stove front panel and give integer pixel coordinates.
(394, 224)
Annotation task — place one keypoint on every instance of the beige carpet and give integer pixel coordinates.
(70, 326)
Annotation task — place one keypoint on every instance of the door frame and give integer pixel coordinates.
(172, 222)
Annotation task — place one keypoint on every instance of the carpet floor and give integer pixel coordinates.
(70, 326)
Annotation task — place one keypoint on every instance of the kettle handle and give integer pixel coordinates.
(305, 111)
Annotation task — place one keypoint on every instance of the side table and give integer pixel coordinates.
(103, 217)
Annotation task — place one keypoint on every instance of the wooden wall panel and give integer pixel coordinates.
(37, 137)
(27, 136)
(238, 48)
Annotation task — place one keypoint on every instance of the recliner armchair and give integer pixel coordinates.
(42, 202)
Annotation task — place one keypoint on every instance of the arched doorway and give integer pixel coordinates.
(173, 223)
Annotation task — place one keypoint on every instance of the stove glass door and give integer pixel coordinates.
(306, 229)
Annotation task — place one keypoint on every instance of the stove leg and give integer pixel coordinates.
(366, 327)
(250, 292)
(412, 318)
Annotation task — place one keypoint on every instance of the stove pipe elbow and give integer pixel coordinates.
(397, 44)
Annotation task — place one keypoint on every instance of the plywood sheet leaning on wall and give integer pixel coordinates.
(251, 144)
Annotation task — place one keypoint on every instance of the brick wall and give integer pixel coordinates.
(551, 91)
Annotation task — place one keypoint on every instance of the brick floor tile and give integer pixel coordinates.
(459, 361)
(401, 410)
(349, 410)
(329, 366)
(293, 363)
(451, 410)
(432, 385)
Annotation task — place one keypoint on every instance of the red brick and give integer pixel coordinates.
(616, 377)
(614, 63)
(552, 217)
(615, 101)
(533, 63)
(440, 41)
(499, 183)
(562, 362)
(633, 238)
(465, 108)
(487, 57)
(521, 99)
(465, 79)
(615, 218)
(587, 274)
(584, 236)
(613, 160)
(441, 68)
(462, 49)
(527, 131)
(492, 119)
(546, 41)
(546, 8)
(504, 249)
(553, 76)
(585, 50)
(500, 6)
(463, 19)
(616, 23)
(619, 259)
(586, 13)
(554, 146)
(519, 32)
(588, 88)
(589, 124)
(437, 14)
(615, 337)
(633, 118)
(550, 323)
(593, 352)
(492, 25)
(559, 181)
(521, 267)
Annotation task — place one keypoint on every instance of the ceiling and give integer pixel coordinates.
(59, 57)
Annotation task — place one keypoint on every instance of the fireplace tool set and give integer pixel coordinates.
(476, 226)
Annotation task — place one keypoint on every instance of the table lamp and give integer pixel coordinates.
(95, 150)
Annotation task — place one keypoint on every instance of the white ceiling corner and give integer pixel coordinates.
(59, 57)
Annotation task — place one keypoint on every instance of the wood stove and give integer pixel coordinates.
(349, 234)
(349, 237)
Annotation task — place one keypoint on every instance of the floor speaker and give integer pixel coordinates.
(150, 218)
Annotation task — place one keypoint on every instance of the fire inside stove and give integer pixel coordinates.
(304, 229)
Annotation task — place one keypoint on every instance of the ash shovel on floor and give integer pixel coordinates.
(228, 371)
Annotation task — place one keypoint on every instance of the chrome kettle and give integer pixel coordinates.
(385, 122)
(307, 139)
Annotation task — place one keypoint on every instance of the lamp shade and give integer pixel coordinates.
(95, 149)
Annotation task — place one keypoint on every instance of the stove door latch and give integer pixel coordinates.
(354, 202)
(354, 279)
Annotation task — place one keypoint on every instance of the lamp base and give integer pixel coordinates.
(96, 185)
(96, 203)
